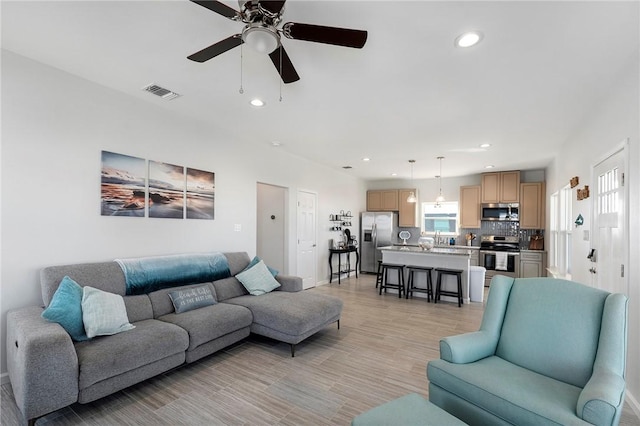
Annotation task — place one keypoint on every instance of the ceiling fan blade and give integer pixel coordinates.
(321, 34)
(219, 8)
(289, 74)
(273, 7)
(216, 49)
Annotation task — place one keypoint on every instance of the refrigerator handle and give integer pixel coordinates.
(374, 234)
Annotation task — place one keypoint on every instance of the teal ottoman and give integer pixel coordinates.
(409, 410)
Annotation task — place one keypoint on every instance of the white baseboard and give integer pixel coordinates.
(633, 403)
(4, 378)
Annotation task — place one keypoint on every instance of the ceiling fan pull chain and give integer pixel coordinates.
(280, 100)
(241, 89)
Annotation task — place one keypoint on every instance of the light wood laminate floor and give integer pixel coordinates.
(379, 353)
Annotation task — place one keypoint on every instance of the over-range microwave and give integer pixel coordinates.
(500, 212)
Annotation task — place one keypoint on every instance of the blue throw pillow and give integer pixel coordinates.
(258, 280)
(65, 308)
(255, 261)
(191, 298)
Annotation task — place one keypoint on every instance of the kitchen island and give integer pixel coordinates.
(437, 257)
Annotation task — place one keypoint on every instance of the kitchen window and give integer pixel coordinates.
(443, 219)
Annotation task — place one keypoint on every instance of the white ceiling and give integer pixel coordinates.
(408, 94)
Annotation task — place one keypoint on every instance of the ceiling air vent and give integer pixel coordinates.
(160, 91)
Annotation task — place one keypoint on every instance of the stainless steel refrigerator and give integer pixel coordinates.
(377, 229)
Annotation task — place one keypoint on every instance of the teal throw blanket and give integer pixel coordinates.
(146, 274)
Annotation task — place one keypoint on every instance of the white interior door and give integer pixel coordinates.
(307, 247)
(609, 225)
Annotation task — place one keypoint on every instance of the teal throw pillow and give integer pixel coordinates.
(103, 313)
(65, 308)
(191, 298)
(255, 261)
(258, 280)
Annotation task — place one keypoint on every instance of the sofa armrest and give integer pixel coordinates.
(468, 347)
(600, 402)
(42, 363)
(289, 283)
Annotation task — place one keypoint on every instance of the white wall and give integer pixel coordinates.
(54, 126)
(613, 120)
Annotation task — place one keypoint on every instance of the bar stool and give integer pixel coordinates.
(410, 284)
(379, 274)
(386, 267)
(439, 291)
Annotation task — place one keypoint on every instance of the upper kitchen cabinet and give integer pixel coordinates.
(532, 208)
(501, 187)
(407, 212)
(470, 206)
(384, 200)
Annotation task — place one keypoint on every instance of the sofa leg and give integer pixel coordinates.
(32, 422)
(293, 350)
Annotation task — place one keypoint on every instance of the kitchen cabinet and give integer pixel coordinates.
(408, 215)
(532, 207)
(533, 264)
(470, 206)
(382, 200)
(501, 187)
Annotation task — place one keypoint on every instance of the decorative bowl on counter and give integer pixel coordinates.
(426, 243)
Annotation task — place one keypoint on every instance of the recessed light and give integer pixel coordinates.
(365, 159)
(257, 102)
(276, 144)
(468, 39)
(394, 174)
(490, 166)
(485, 145)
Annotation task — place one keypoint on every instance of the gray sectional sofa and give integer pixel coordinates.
(49, 371)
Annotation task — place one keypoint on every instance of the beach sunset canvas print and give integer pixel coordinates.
(122, 185)
(200, 194)
(166, 190)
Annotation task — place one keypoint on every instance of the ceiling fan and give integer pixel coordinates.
(261, 31)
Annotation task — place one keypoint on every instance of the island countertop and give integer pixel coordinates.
(455, 251)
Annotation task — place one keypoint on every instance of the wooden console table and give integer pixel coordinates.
(340, 252)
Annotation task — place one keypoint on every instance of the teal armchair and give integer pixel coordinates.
(548, 352)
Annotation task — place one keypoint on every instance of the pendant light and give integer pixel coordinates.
(440, 197)
(412, 196)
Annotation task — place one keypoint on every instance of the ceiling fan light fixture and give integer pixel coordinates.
(261, 38)
(468, 39)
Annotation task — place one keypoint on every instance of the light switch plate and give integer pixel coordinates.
(585, 235)
(237, 227)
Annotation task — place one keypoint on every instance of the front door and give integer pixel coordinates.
(609, 225)
(307, 251)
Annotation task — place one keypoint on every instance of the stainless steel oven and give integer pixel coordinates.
(499, 256)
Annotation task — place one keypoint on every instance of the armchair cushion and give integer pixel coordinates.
(525, 398)
(551, 327)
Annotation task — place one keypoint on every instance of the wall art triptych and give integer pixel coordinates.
(131, 186)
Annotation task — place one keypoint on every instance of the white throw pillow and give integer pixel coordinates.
(103, 313)
(257, 279)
